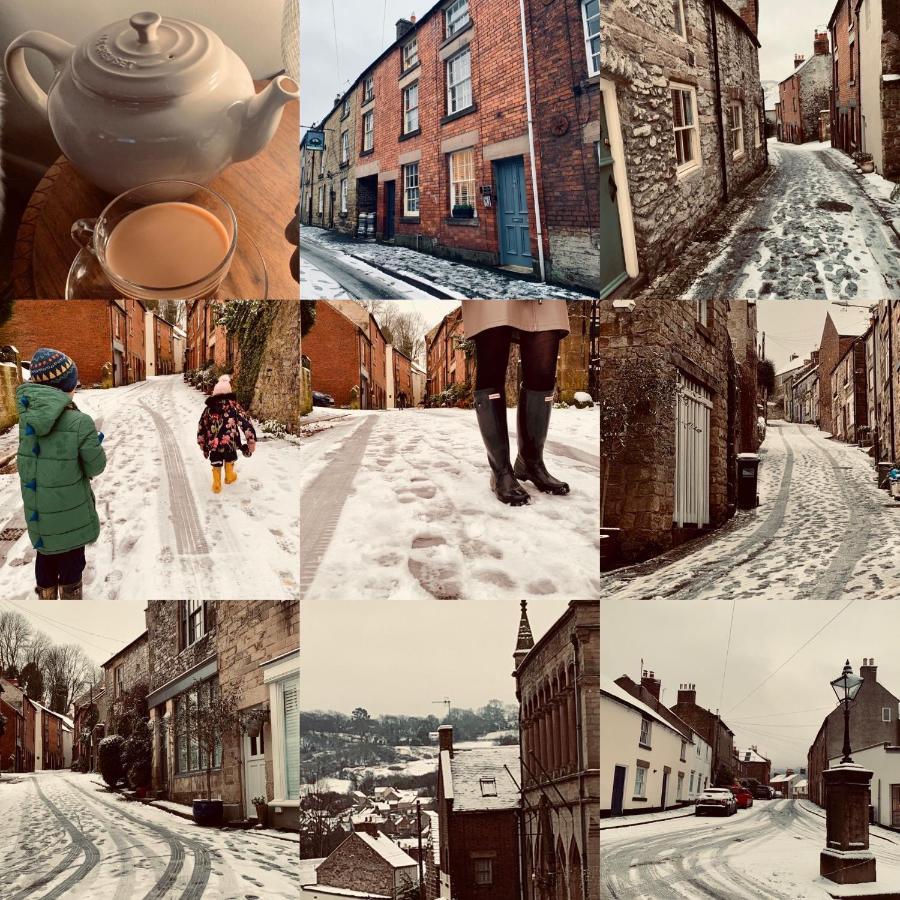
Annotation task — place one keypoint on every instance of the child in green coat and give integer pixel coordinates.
(60, 451)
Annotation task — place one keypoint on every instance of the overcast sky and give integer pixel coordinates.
(100, 628)
(364, 29)
(398, 657)
(795, 326)
(786, 29)
(685, 641)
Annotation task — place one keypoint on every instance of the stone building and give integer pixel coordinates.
(478, 813)
(805, 93)
(347, 351)
(873, 720)
(883, 380)
(102, 336)
(366, 864)
(248, 650)
(668, 465)
(14, 707)
(838, 335)
(711, 728)
(126, 672)
(805, 396)
(558, 689)
(879, 75)
(849, 395)
(88, 713)
(399, 375)
(682, 122)
(845, 50)
(564, 38)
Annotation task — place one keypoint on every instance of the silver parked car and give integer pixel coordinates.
(716, 800)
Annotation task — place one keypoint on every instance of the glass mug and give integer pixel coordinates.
(93, 274)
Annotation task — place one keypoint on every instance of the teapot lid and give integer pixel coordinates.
(148, 57)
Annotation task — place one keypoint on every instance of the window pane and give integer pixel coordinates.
(677, 108)
(688, 107)
(291, 696)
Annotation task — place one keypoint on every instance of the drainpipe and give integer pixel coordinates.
(534, 181)
(719, 110)
(890, 307)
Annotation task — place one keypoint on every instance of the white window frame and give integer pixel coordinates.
(459, 91)
(757, 130)
(345, 109)
(885, 714)
(483, 870)
(455, 198)
(409, 110)
(590, 37)
(410, 53)
(679, 796)
(646, 732)
(321, 199)
(693, 164)
(693, 409)
(278, 675)
(680, 19)
(456, 17)
(411, 196)
(640, 782)
(193, 610)
(345, 147)
(344, 195)
(683, 751)
(321, 161)
(369, 89)
(369, 130)
(736, 127)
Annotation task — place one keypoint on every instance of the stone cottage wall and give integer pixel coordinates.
(278, 392)
(356, 866)
(890, 90)
(815, 93)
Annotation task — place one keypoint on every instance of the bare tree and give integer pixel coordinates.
(404, 328)
(66, 672)
(15, 634)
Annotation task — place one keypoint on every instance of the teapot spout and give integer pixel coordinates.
(263, 113)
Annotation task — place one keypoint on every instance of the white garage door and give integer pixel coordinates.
(692, 406)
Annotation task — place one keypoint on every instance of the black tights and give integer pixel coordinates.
(537, 349)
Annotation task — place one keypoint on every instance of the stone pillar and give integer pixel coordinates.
(572, 729)
(847, 858)
(556, 736)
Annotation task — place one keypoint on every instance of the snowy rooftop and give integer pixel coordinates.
(784, 779)
(387, 850)
(750, 756)
(479, 779)
(792, 366)
(850, 321)
(608, 686)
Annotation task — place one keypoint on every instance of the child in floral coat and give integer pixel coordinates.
(219, 432)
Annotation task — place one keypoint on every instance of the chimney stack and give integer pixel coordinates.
(404, 26)
(749, 12)
(820, 44)
(367, 827)
(799, 59)
(868, 670)
(445, 738)
(651, 683)
(687, 693)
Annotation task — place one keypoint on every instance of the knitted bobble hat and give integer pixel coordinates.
(54, 368)
(223, 386)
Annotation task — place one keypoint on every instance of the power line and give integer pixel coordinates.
(793, 712)
(795, 653)
(68, 629)
(727, 651)
(337, 56)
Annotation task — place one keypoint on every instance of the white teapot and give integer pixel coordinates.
(150, 98)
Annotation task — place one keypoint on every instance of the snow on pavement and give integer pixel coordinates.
(453, 279)
(67, 836)
(164, 534)
(823, 530)
(413, 516)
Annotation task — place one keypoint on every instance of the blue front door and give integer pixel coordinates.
(512, 212)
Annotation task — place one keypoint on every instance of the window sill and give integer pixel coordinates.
(688, 171)
(412, 68)
(449, 40)
(405, 136)
(410, 220)
(463, 223)
(638, 799)
(452, 117)
(704, 330)
(366, 152)
(644, 746)
(345, 165)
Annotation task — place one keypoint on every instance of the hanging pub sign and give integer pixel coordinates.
(315, 140)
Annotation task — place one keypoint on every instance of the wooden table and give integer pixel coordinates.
(264, 192)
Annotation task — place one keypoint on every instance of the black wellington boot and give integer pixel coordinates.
(533, 420)
(490, 407)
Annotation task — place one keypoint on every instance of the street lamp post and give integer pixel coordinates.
(846, 858)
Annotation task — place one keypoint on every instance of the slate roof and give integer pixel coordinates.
(478, 779)
(609, 687)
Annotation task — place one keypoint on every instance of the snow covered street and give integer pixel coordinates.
(164, 534)
(368, 270)
(770, 850)
(812, 227)
(65, 835)
(822, 531)
(398, 504)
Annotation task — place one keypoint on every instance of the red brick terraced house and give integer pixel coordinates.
(845, 94)
(347, 351)
(754, 765)
(478, 811)
(161, 353)
(106, 338)
(849, 395)
(805, 93)
(13, 705)
(435, 143)
(399, 374)
(206, 341)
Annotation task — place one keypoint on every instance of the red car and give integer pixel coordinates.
(742, 795)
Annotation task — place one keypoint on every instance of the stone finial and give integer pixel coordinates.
(525, 639)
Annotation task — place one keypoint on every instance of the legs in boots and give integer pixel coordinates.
(230, 474)
(217, 478)
(490, 407)
(59, 574)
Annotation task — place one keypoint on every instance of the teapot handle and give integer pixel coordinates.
(55, 49)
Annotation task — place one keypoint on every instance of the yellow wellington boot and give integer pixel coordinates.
(217, 479)
(230, 474)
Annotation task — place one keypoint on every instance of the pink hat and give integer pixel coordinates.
(223, 385)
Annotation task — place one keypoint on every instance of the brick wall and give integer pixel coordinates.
(356, 866)
(83, 332)
(9, 381)
(845, 124)
(487, 832)
(803, 97)
(642, 55)
(640, 494)
(377, 371)
(165, 346)
(135, 340)
(564, 99)
(333, 350)
(831, 348)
